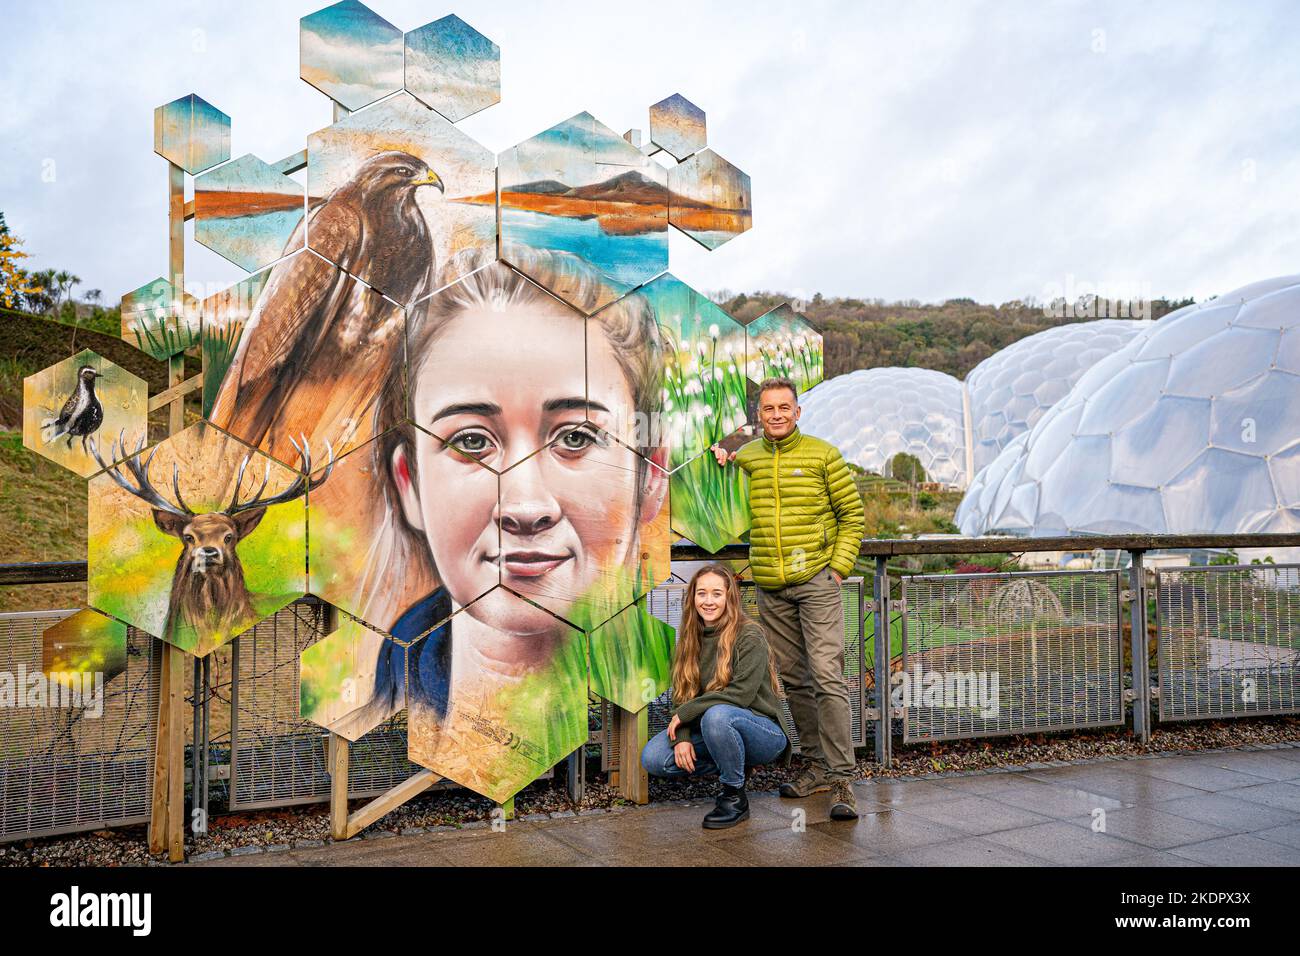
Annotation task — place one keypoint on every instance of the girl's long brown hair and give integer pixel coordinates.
(686, 657)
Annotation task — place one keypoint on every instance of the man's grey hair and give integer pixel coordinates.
(778, 382)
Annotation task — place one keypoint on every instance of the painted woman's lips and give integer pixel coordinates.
(531, 564)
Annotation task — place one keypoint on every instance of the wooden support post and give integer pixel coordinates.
(338, 766)
(167, 810)
(176, 756)
(508, 809)
(162, 734)
(633, 733)
(384, 804)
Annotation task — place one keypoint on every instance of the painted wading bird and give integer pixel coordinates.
(81, 415)
(318, 336)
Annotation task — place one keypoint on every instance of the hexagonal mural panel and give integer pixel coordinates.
(80, 397)
(513, 704)
(401, 198)
(702, 398)
(710, 501)
(352, 680)
(192, 133)
(85, 644)
(453, 68)
(783, 344)
(631, 658)
(383, 544)
(196, 539)
(677, 126)
(248, 212)
(592, 208)
(222, 318)
(316, 354)
(528, 378)
(1188, 428)
(584, 526)
(350, 53)
(710, 200)
(160, 321)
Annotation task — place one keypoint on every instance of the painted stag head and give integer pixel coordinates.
(209, 538)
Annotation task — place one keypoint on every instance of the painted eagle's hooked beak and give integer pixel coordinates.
(431, 180)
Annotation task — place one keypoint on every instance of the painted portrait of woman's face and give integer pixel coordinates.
(524, 474)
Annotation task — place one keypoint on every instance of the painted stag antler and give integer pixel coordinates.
(301, 483)
(143, 488)
(145, 491)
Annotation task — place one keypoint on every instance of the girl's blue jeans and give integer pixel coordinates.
(729, 739)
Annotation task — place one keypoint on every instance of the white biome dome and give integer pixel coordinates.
(874, 414)
(1193, 426)
(1013, 388)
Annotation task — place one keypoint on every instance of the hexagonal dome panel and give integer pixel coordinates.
(453, 68)
(248, 212)
(1013, 388)
(631, 658)
(350, 53)
(85, 643)
(384, 546)
(584, 526)
(1188, 428)
(529, 376)
(400, 198)
(514, 704)
(80, 397)
(710, 200)
(873, 414)
(677, 126)
(352, 680)
(159, 321)
(703, 387)
(318, 354)
(192, 133)
(196, 539)
(582, 191)
(783, 344)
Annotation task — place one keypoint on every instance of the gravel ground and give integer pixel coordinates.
(272, 830)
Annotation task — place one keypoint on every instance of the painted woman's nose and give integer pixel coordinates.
(527, 506)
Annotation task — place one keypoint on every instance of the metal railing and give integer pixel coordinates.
(1226, 640)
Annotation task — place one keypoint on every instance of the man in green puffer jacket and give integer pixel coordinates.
(806, 528)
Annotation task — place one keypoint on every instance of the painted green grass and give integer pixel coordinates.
(219, 345)
(163, 336)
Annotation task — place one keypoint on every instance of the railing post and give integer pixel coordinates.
(880, 624)
(1137, 616)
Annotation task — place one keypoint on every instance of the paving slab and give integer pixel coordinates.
(1237, 808)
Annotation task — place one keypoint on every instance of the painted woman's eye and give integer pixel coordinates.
(580, 439)
(471, 443)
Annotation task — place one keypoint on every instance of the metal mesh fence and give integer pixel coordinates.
(62, 769)
(991, 654)
(278, 758)
(666, 603)
(1228, 641)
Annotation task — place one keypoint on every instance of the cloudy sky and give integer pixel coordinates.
(902, 150)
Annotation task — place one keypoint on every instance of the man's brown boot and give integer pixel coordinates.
(812, 780)
(844, 805)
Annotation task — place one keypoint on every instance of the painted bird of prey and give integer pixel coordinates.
(315, 328)
(81, 415)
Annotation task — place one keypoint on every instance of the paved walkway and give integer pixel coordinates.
(1232, 808)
